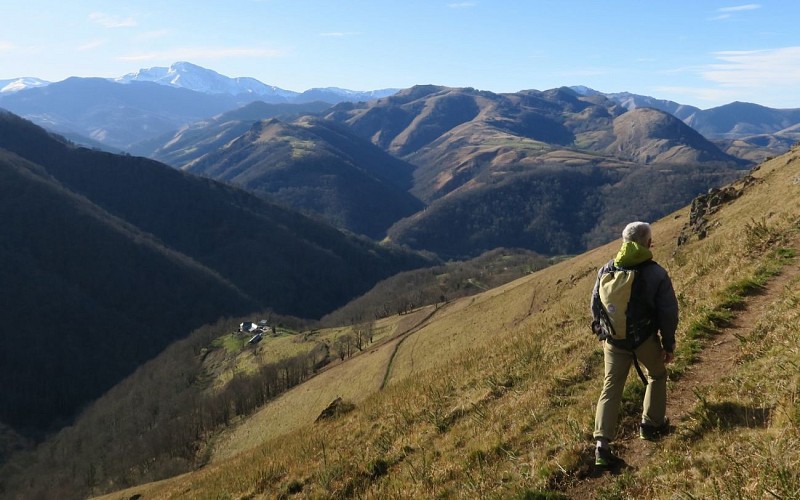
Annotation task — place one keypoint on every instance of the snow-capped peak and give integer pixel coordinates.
(190, 76)
(17, 84)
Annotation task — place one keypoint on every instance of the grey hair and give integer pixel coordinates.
(638, 232)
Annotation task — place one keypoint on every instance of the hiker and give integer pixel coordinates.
(659, 310)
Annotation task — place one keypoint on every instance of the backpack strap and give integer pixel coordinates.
(638, 368)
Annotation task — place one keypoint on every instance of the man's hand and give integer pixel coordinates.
(668, 357)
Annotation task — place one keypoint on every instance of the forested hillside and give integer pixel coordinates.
(86, 298)
(108, 259)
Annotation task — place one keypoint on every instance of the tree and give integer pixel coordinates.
(344, 345)
(362, 334)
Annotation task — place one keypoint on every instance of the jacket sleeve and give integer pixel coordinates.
(667, 313)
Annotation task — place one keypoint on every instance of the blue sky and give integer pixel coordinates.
(700, 52)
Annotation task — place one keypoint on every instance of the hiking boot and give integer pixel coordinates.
(604, 458)
(653, 432)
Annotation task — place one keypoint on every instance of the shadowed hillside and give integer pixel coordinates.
(108, 259)
(409, 290)
(86, 297)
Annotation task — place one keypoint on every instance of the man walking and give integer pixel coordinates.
(652, 343)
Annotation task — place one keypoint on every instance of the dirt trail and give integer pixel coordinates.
(715, 361)
(402, 337)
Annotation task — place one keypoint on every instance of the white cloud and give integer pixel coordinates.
(769, 77)
(756, 68)
(110, 21)
(739, 8)
(727, 12)
(193, 53)
(462, 5)
(6, 46)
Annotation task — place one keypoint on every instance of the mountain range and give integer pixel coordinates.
(453, 172)
(118, 113)
(746, 130)
(547, 171)
(504, 166)
(190, 76)
(475, 159)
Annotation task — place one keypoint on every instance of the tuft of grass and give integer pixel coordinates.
(759, 236)
(377, 467)
(231, 342)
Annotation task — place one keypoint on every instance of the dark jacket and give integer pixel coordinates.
(658, 293)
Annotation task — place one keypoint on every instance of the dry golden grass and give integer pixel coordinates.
(493, 396)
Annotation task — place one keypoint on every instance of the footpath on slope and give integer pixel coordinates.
(715, 361)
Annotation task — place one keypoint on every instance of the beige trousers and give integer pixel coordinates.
(617, 365)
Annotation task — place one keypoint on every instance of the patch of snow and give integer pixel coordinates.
(17, 84)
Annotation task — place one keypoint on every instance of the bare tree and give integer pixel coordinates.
(344, 345)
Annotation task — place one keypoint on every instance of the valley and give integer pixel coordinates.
(424, 255)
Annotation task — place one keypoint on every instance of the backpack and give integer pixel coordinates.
(625, 318)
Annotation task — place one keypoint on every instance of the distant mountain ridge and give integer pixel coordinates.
(190, 76)
(122, 112)
(632, 101)
(746, 130)
(190, 142)
(131, 124)
(117, 115)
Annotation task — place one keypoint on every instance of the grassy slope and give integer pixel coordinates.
(495, 396)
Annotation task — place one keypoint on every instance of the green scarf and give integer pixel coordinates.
(632, 254)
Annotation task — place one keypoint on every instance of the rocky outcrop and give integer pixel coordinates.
(337, 407)
(707, 204)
